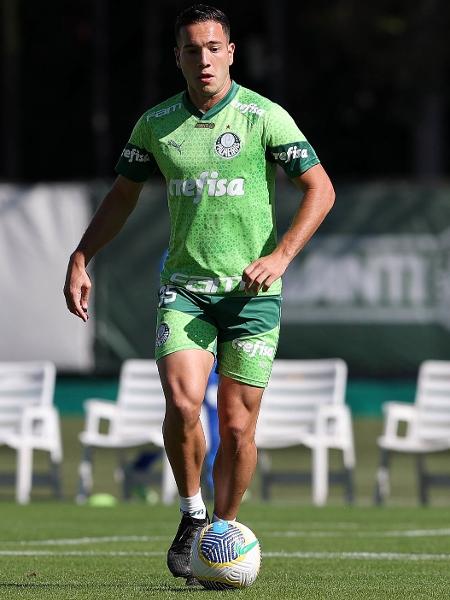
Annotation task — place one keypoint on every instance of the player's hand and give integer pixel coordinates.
(261, 273)
(77, 288)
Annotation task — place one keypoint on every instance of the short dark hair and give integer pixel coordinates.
(198, 13)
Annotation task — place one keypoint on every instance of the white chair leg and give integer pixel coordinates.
(24, 474)
(85, 481)
(56, 452)
(382, 479)
(348, 456)
(319, 475)
(348, 448)
(169, 486)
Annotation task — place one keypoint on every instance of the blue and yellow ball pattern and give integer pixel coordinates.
(226, 555)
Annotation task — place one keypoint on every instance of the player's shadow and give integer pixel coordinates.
(201, 331)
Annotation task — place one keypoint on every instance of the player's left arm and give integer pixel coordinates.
(318, 198)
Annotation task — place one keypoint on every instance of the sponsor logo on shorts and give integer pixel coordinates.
(134, 155)
(228, 145)
(162, 334)
(256, 348)
(211, 182)
(292, 153)
(252, 109)
(163, 112)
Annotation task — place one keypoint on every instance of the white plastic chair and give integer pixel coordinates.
(304, 405)
(427, 428)
(134, 420)
(29, 421)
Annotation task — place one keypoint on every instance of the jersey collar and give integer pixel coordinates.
(215, 109)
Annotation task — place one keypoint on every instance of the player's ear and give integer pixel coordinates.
(231, 47)
(177, 56)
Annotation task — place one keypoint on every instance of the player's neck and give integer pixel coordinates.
(205, 103)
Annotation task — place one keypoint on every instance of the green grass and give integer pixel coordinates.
(307, 552)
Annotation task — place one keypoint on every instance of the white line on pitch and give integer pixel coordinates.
(277, 534)
(358, 555)
(76, 553)
(417, 533)
(90, 540)
(365, 534)
(305, 534)
(281, 534)
(318, 525)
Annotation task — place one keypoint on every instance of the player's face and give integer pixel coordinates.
(204, 55)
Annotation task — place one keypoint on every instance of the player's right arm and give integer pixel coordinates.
(105, 225)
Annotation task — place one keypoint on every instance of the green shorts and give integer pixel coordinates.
(242, 331)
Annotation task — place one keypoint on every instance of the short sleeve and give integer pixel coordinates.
(285, 143)
(136, 161)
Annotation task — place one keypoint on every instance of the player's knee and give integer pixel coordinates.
(183, 401)
(236, 435)
(183, 411)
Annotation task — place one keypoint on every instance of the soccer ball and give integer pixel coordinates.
(225, 555)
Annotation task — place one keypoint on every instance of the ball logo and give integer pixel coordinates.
(162, 334)
(228, 145)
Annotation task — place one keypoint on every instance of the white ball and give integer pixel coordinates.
(226, 555)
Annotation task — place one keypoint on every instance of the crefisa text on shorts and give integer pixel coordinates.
(253, 348)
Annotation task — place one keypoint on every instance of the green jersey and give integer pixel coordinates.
(220, 169)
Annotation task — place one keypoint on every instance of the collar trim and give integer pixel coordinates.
(214, 109)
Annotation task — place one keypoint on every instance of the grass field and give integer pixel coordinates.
(64, 551)
(58, 550)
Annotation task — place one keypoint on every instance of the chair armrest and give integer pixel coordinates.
(333, 429)
(396, 413)
(97, 410)
(39, 428)
(35, 420)
(332, 418)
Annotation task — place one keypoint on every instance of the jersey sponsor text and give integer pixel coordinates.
(163, 112)
(133, 154)
(251, 108)
(292, 153)
(211, 182)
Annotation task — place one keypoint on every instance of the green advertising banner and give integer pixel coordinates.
(372, 287)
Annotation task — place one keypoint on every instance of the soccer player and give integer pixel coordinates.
(217, 145)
